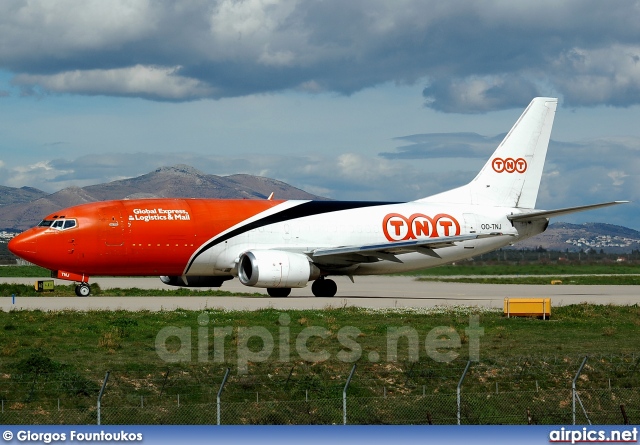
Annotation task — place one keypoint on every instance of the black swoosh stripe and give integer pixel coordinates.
(307, 209)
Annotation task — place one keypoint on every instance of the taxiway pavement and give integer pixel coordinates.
(370, 292)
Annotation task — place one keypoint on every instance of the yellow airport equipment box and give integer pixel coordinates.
(527, 307)
(44, 286)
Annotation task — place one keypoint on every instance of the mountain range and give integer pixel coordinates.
(22, 208)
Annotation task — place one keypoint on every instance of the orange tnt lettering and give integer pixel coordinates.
(510, 165)
(422, 228)
(394, 226)
(397, 225)
(446, 225)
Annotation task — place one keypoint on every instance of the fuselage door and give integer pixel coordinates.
(470, 222)
(111, 228)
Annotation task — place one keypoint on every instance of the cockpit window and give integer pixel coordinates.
(59, 224)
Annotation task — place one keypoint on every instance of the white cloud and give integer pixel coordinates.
(279, 58)
(479, 94)
(32, 175)
(617, 177)
(251, 28)
(365, 169)
(602, 75)
(59, 27)
(479, 56)
(160, 83)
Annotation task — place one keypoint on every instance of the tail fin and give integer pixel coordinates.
(511, 177)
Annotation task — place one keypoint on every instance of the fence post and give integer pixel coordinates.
(224, 380)
(164, 382)
(104, 385)
(289, 377)
(624, 414)
(344, 396)
(573, 389)
(460, 387)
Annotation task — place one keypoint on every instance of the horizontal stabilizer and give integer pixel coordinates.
(544, 214)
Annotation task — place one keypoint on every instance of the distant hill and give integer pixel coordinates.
(11, 195)
(180, 181)
(576, 237)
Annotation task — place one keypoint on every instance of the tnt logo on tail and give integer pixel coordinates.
(509, 165)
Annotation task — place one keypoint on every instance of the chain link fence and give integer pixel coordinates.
(550, 407)
(517, 391)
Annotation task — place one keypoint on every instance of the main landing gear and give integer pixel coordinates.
(83, 290)
(323, 287)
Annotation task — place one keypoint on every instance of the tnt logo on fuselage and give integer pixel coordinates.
(509, 165)
(398, 227)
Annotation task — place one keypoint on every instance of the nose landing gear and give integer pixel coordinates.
(82, 281)
(83, 290)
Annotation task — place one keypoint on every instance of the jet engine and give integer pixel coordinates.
(195, 281)
(275, 269)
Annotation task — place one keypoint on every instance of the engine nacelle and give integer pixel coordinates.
(195, 281)
(275, 268)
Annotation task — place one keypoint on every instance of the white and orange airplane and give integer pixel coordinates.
(279, 245)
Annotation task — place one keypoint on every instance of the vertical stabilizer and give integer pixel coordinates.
(511, 177)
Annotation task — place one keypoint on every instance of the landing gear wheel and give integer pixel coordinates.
(324, 288)
(83, 290)
(279, 292)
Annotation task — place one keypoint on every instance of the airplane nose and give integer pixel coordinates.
(24, 245)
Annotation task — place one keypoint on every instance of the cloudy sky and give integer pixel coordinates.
(359, 99)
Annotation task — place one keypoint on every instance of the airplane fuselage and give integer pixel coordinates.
(205, 237)
(279, 245)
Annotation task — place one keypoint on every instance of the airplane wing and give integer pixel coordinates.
(544, 214)
(388, 251)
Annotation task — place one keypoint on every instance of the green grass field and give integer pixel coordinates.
(24, 271)
(59, 359)
(92, 342)
(282, 358)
